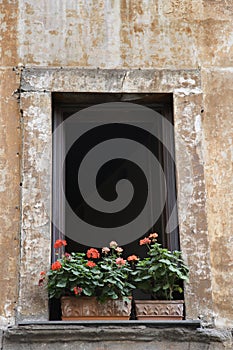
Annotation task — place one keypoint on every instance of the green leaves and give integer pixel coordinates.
(116, 279)
(106, 277)
(161, 273)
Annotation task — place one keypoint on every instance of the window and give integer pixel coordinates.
(68, 154)
(38, 104)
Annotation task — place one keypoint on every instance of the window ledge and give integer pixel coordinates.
(113, 331)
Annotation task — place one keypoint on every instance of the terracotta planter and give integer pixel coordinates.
(159, 309)
(88, 308)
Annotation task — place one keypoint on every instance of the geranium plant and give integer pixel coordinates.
(102, 274)
(162, 272)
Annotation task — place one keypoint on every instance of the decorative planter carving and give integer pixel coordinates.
(88, 308)
(159, 309)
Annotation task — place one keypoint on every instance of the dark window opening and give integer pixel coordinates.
(65, 105)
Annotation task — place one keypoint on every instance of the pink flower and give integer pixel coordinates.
(105, 250)
(120, 261)
(119, 250)
(146, 240)
(153, 235)
(113, 244)
(67, 256)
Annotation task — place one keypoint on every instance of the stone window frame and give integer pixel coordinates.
(36, 88)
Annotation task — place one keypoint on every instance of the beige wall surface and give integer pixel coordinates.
(129, 34)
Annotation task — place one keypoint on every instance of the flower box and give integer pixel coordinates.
(89, 308)
(159, 309)
(96, 286)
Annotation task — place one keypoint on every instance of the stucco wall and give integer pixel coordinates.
(9, 160)
(115, 34)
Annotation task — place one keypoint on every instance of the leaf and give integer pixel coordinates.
(52, 294)
(185, 278)
(172, 268)
(156, 289)
(166, 286)
(131, 286)
(153, 268)
(61, 284)
(179, 289)
(165, 261)
(66, 268)
(87, 292)
(72, 279)
(109, 280)
(76, 273)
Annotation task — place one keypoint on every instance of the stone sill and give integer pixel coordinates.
(119, 331)
(127, 323)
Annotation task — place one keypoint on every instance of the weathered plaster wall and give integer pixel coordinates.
(9, 163)
(126, 33)
(171, 34)
(36, 201)
(218, 128)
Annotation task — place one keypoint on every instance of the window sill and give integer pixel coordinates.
(119, 335)
(72, 331)
(129, 323)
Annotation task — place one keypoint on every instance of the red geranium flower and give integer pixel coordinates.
(77, 290)
(146, 240)
(90, 264)
(93, 253)
(56, 265)
(43, 273)
(59, 243)
(132, 258)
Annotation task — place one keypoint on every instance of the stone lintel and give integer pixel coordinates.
(110, 80)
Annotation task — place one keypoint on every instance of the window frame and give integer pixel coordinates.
(36, 87)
